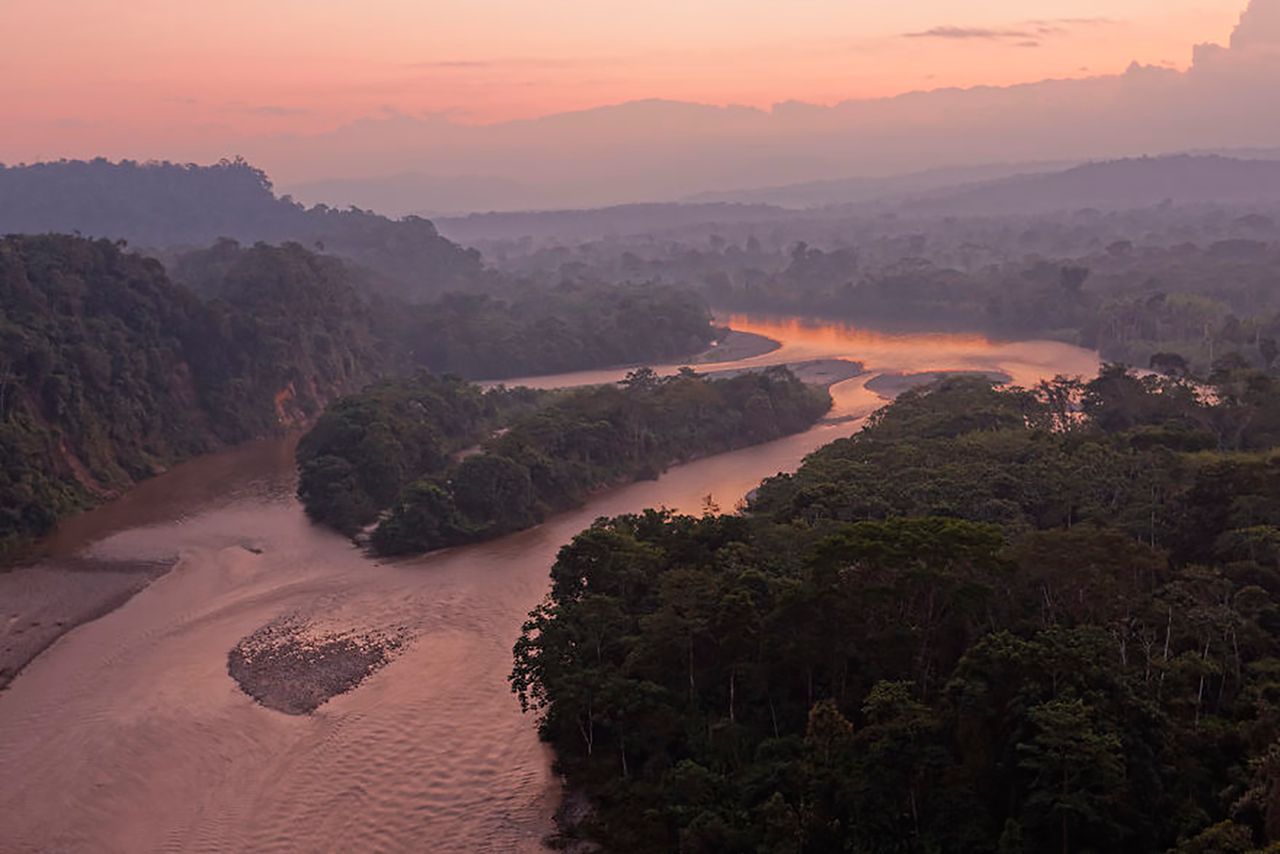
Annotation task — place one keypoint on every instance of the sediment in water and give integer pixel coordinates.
(293, 667)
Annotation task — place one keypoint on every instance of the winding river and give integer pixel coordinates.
(127, 734)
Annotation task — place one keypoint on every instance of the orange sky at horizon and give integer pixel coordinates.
(153, 78)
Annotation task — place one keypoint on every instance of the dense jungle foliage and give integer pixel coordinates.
(1197, 280)
(527, 331)
(367, 447)
(1013, 621)
(284, 332)
(395, 447)
(1128, 302)
(110, 370)
(516, 330)
(94, 388)
(553, 458)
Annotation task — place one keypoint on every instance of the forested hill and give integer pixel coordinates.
(163, 205)
(519, 330)
(552, 330)
(1013, 621)
(110, 372)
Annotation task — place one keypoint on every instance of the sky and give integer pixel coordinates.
(443, 106)
(153, 78)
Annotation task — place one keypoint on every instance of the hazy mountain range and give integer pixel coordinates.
(1184, 180)
(662, 150)
(163, 205)
(843, 191)
(1117, 185)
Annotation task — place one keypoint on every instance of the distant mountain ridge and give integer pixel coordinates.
(1190, 178)
(1184, 179)
(595, 223)
(840, 191)
(1117, 185)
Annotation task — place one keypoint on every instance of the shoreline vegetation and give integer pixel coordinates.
(387, 457)
(994, 619)
(891, 385)
(114, 368)
(47, 604)
(1133, 283)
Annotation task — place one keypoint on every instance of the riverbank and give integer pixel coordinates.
(63, 587)
(67, 587)
(43, 602)
(819, 372)
(92, 565)
(295, 665)
(40, 604)
(734, 346)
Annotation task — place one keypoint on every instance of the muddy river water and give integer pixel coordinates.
(127, 734)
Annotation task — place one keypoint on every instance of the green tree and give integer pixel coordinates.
(1078, 767)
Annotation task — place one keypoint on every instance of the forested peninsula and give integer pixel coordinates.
(994, 620)
(391, 455)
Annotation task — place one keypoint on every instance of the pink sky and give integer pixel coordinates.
(159, 78)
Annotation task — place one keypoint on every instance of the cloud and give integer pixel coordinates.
(1025, 34)
(1259, 26)
(966, 33)
(1062, 23)
(1255, 43)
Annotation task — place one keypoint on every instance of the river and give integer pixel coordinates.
(127, 734)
